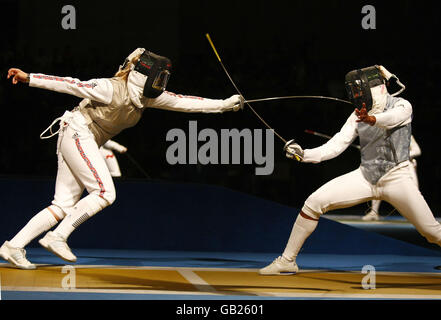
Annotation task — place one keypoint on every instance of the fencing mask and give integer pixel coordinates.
(149, 76)
(358, 84)
(367, 87)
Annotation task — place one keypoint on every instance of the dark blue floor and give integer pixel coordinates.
(393, 226)
(321, 261)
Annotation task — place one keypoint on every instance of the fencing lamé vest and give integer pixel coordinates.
(107, 120)
(382, 149)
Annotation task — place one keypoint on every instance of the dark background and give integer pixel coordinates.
(270, 48)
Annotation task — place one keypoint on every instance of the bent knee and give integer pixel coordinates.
(310, 212)
(96, 203)
(109, 197)
(107, 194)
(314, 206)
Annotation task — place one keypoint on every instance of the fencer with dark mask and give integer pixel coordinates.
(382, 122)
(109, 106)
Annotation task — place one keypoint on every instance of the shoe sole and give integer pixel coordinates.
(279, 274)
(45, 245)
(9, 259)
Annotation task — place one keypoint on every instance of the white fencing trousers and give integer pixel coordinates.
(414, 176)
(397, 187)
(414, 172)
(80, 166)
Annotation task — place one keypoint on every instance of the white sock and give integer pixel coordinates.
(375, 205)
(41, 222)
(301, 230)
(79, 213)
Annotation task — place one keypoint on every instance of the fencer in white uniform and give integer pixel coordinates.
(106, 151)
(383, 123)
(414, 151)
(109, 106)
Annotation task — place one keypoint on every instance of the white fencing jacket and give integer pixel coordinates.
(391, 129)
(107, 107)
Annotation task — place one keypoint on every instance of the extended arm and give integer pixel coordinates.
(100, 90)
(177, 102)
(336, 145)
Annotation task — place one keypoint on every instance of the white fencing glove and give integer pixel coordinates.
(293, 150)
(112, 145)
(234, 103)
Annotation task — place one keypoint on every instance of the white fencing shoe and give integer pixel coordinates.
(16, 256)
(371, 216)
(58, 246)
(280, 266)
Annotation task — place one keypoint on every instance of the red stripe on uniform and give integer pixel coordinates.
(304, 215)
(92, 169)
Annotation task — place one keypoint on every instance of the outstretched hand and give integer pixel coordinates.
(234, 102)
(18, 76)
(363, 116)
(293, 150)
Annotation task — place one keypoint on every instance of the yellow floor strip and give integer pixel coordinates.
(218, 281)
(195, 280)
(323, 284)
(121, 279)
